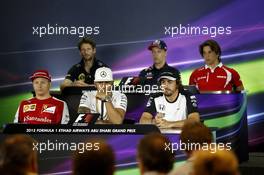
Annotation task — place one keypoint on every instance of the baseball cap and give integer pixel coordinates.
(103, 74)
(40, 73)
(158, 43)
(171, 75)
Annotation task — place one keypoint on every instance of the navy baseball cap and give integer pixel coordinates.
(159, 44)
(170, 75)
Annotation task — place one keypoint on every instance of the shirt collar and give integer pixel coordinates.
(82, 62)
(165, 65)
(219, 65)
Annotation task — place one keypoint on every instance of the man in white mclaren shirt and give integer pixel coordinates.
(111, 105)
(173, 106)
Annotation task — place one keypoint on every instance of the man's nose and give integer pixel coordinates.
(164, 85)
(155, 54)
(103, 85)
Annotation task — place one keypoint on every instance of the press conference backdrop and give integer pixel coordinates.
(44, 35)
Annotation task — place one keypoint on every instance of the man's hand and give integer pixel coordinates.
(101, 96)
(160, 122)
(158, 118)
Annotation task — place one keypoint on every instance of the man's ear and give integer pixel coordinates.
(165, 53)
(94, 50)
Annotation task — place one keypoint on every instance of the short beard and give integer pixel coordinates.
(168, 94)
(89, 59)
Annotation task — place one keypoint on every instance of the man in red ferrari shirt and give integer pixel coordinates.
(214, 76)
(42, 109)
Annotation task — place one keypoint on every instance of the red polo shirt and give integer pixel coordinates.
(220, 78)
(48, 111)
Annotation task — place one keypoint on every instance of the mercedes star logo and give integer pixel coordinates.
(103, 74)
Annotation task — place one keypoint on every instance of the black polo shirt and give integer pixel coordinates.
(78, 72)
(149, 76)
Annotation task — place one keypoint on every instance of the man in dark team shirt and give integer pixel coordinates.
(150, 75)
(82, 74)
(173, 106)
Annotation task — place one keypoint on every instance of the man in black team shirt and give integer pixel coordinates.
(82, 74)
(150, 75)
(173, 106)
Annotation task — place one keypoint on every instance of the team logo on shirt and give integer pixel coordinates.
(193, 101)
(29, 119)
(194, 104)
(81, 77)
(30, 107)
(193, 97)
(162, 107)
(149, 75)
(48, 109)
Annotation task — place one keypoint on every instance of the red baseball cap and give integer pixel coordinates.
(40, 73)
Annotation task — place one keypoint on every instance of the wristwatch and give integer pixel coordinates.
(108, 98)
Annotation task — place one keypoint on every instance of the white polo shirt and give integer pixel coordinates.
(183, 105)
(95, 105)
